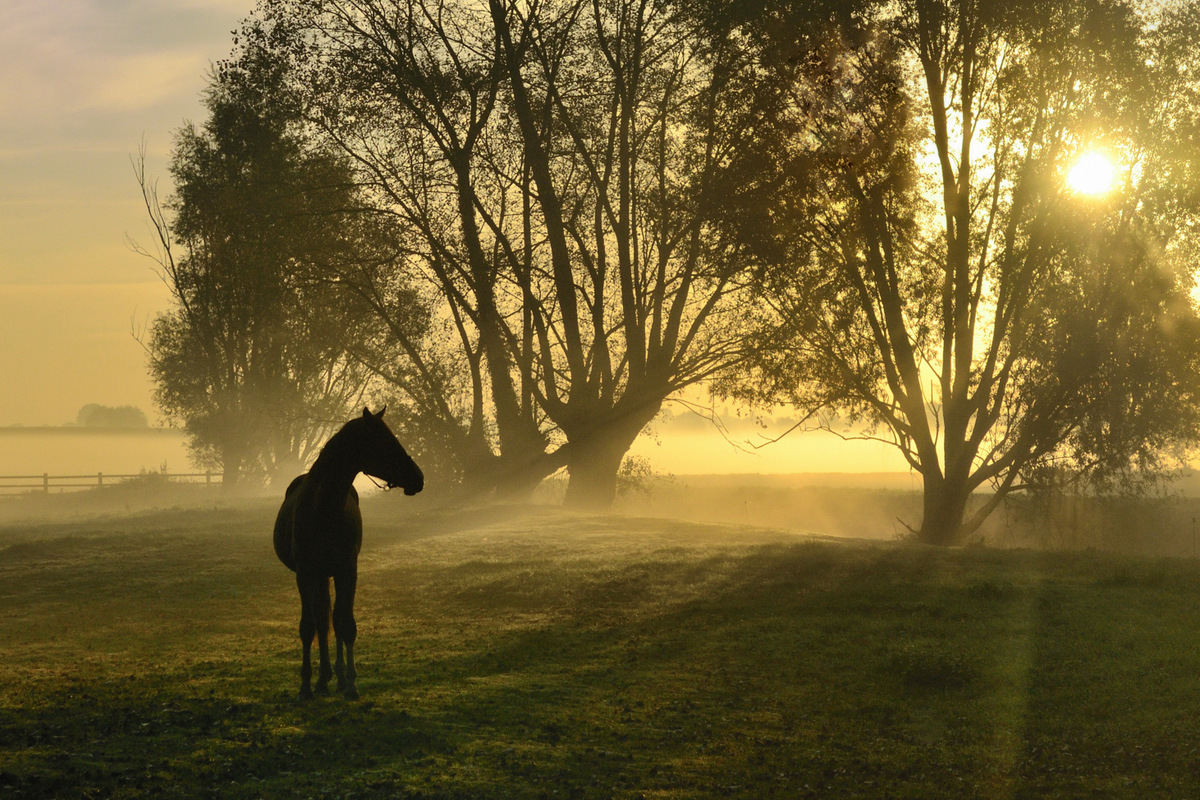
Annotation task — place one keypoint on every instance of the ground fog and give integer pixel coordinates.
(521, 651)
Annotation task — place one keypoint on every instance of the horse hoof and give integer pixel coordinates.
(323, 689)
(305, 695)
(351, 693)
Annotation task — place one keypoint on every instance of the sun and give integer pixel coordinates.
(1094, 173)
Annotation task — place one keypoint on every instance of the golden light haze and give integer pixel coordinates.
(84, 82)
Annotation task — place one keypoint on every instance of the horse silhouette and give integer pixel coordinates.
(318, 534)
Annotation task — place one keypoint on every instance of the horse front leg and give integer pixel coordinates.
(346, 630)
(322, 613)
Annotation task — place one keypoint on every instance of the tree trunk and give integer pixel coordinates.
(945, 506)
(516, 478)
(593, 464)
(508, 476)
(594, 454)
(232, 458)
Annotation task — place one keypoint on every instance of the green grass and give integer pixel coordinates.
(525, 652)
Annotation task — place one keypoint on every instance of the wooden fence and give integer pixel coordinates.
(99, 480)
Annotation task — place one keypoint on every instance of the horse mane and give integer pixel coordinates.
(340, 445)
(333, 452)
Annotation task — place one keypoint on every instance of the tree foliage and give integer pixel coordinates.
(535, 222)
(94, 415)
(557, 169)
(252, 358)
(934, 279)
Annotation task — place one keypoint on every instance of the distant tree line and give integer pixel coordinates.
(94, 415)
(529, 225)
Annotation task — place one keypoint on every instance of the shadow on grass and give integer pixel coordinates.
(152, 737)
(689, 674)
(531, 666)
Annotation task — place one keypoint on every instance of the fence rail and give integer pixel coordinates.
(99, 480)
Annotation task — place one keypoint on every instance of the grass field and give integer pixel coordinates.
(525, 652)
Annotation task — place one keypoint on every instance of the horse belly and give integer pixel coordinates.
(283, 537)
(326, 544)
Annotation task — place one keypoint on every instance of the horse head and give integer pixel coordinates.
(384, 457)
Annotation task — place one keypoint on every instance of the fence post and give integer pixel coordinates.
(46, 482)
(208, 476)
(99, 480)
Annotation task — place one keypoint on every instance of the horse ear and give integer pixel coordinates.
(366, 412)
(380, 414)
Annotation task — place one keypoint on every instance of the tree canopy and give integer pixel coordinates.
(533, 223)
(94, 415)
(253, 357)
(934, 278)
(556, 168)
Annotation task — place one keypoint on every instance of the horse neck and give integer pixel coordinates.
(337, 464)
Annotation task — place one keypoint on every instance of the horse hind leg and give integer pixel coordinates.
(314, 619)
(346, 630)
(307, 630)
(339, 665)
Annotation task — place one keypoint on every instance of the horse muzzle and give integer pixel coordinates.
(410, 489)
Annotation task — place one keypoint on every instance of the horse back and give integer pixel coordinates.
(302, 524)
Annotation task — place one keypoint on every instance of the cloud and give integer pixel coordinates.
(147, 80)
(72, 65)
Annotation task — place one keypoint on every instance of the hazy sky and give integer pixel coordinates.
(82, 83)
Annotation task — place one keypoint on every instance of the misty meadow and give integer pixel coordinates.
(539, 234)
(532, 652)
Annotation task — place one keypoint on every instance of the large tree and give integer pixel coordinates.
(252, 357)
(627, 123)
(938, 282)
(558, 168)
